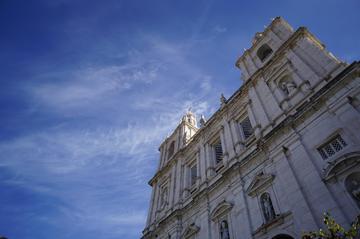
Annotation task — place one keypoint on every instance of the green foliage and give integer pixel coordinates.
(334, 230)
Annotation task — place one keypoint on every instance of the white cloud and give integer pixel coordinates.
(70, 165)
(219, 29)
(93, 84)
(205, 84)
(96, 170)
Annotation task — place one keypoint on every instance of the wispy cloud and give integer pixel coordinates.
(87, 169)
(86, 86)
(219, 29)
(97, 169)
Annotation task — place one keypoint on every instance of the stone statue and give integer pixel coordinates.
(224, 230)
(202, 121)
(356, 189)
(222, 100)
(268, 208)
(288, 86)
(164, 197)
(352, 183)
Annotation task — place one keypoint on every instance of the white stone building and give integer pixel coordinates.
(281, 151)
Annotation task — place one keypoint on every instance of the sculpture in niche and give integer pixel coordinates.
(352, 184)
(287, 85)
(267, 207)
(224, 230)
(163, 199)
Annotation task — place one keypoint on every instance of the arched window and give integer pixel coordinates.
(264, 52)
(171, 149)
(352, 184)
(224, 230)
(267, 207)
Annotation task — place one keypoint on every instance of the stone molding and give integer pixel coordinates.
(191, 230)
(221, 209)
(340, 165)
(259, 183)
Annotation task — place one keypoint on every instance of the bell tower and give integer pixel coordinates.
(179, 138)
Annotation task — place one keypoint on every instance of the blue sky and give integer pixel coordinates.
(89, 89)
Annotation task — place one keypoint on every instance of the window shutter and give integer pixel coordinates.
(193, 172)
(332, 147)
(218, 152)
(246, 127)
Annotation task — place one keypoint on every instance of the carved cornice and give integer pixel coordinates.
(190, 231)
(221, 209)
(259, 183)
(341, 164)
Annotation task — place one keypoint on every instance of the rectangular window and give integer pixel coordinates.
(218, 152)
(193, 175)
(331, 147)
(246, 127)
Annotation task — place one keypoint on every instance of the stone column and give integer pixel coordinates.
(155, 202)
(316, 168)
(234, 126)
(270, 103)
(251, 64)
(244, 70)
(198, 168)
(298, 184)
(249, 220)
(172, 186)
(186, 186)
(165, 153)
(178, 182)
(162, 152)
(210, 161)
(229, 139)
(253, 120)
(224, 146)
(151, 207)
(299, 55)
(202, 162)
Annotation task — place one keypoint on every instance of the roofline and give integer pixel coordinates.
(268, 28)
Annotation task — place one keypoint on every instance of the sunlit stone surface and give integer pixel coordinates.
(280, 152)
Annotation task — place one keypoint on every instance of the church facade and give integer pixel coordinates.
(276, 155)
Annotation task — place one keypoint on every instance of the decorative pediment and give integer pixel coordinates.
(270, 73)
(340, 165)
(259, 183)
(221, 209)
(191, 230)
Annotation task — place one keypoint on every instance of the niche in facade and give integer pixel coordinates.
(264, 52)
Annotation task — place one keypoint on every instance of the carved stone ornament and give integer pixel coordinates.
(341, 165)
(191, 230)
(274, 70)
(259, 183)
(222, 100)
(221, 209)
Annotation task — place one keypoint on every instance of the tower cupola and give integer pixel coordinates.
(190, 118)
